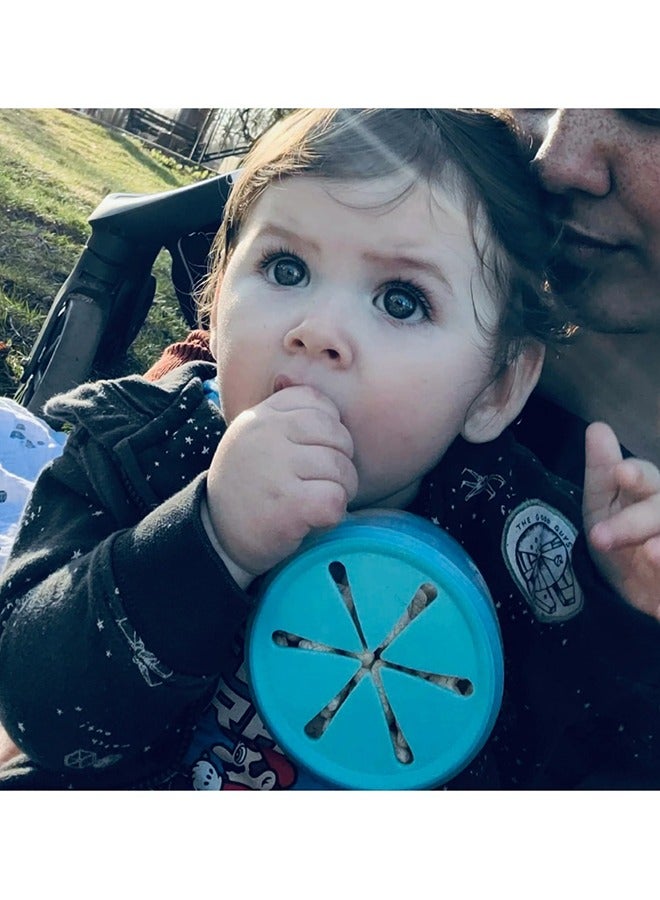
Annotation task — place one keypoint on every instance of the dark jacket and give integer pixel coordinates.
(117, 618)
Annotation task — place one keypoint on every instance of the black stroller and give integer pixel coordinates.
(101, 306)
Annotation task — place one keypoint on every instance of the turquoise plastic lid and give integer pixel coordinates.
(374, 654)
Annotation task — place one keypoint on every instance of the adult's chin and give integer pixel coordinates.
(613, 303)
(615, 296)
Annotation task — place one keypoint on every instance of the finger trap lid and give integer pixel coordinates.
(374, 654)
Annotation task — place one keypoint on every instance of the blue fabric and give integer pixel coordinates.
(27, 444)
(211, 391)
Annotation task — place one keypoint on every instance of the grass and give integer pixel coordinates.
(55, 168)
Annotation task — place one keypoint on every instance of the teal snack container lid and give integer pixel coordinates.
(374, 654)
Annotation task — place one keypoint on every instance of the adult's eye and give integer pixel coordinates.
(642, 116)
(287, 271)
(402, 302)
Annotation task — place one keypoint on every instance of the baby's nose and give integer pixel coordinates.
(322, 336)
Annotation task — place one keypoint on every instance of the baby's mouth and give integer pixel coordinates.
(281, 382)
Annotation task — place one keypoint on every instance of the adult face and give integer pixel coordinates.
(372, 302)
(601, 168)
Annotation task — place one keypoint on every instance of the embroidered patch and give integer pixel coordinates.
(85, 759)
(151, 669)
(481, 483)
(536, 545)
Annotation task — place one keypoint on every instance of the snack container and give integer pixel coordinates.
(374, 654)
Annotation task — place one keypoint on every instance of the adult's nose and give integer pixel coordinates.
(322, 333)
(575, 149)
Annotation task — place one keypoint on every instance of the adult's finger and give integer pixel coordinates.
(603, 454)
(638, 479)
(632, 525)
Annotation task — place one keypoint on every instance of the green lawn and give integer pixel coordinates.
(55, 167)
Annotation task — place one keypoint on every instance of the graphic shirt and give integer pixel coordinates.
(231, 749)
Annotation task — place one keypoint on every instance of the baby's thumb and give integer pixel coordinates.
(603, 454)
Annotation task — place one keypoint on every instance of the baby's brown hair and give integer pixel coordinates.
(471, 152)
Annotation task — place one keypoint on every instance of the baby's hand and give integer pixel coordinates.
(282, 469)
(621, 510)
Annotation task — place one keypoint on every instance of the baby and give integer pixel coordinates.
(378, 312)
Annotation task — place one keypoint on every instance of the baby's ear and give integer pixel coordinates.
(503, 399)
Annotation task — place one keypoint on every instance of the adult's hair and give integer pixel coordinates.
(473, 153)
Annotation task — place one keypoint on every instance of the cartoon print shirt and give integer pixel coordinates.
(231, 749)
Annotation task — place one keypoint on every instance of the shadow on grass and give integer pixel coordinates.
(129, 146)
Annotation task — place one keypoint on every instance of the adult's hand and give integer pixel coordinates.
(8, 749)
(621, 511)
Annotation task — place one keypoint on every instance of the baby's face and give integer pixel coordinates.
(369, 301)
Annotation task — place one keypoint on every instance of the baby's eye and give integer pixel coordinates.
(403, 301)
(286, 270)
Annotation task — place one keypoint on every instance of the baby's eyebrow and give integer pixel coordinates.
(286, 235)
(271, 230)
(401, 261)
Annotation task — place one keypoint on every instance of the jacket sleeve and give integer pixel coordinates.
(112, 634)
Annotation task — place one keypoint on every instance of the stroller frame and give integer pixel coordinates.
(103, 303)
